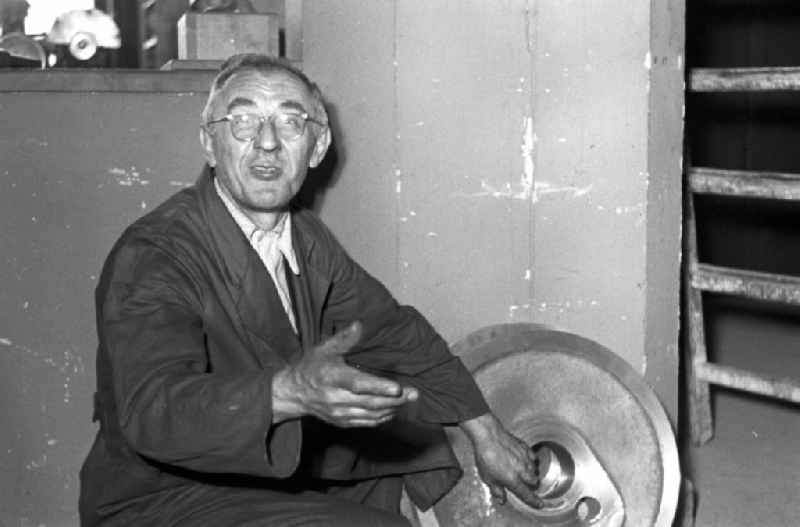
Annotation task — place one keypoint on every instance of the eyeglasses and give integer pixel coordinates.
(247, 126)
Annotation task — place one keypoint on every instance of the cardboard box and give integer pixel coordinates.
(216, 36)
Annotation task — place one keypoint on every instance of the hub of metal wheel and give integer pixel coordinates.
(607, 454)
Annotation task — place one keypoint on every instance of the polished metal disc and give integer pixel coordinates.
(608, 452)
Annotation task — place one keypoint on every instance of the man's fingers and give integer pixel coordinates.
(372, 402)
(368, 384)
(342, 341)
(351, 413)
(529, 476)
(410, 393)
(527, 495)
(363, 423)
(498, 493)
(358, 417)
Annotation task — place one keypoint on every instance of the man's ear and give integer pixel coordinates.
(320, 147)
(208, 146)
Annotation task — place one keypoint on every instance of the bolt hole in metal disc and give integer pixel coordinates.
(607, 454)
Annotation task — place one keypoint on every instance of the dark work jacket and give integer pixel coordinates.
(191, 331)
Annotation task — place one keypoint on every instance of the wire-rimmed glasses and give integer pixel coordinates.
(247, 126)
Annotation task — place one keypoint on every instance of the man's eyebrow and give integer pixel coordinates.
(240, 101)
(292, 105)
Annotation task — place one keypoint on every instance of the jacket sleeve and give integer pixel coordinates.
(170, 406)
(398, 342)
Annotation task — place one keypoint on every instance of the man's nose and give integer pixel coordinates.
(267, 138)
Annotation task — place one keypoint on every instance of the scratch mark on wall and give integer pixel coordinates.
(528, 188)
(179, 184)
(36, 142)
(72, 364)
(627, 209)
(431, 234)
(648, 61)
(512, 309)
(639, 209)
(527, 149)
(543, 188)
(567, 305)
(527, 275)
(540, 189)
(128, 178)
(37, 463)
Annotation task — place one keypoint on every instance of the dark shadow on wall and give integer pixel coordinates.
(746, 131)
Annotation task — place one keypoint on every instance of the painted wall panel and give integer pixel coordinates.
(665, 169)
(522, 147)
(76, 170)
(350, 57)
(590, 121)
(463, 98)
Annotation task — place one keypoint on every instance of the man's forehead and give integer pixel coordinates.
(244, 102)
(277, 83)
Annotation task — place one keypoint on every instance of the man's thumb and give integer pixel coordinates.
(345, 339)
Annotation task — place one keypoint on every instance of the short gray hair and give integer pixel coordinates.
(264, 64)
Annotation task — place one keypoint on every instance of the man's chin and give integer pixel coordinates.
(267, 204)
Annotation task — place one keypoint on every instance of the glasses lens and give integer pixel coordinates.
(289, 125)
(245, 126)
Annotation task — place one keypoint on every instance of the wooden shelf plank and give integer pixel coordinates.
(745, 183)
(748, 381)
(749, 284)
(106, 80)
(744, 79)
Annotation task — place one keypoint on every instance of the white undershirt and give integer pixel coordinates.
(274, 247)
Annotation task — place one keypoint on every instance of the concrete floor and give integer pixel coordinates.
(749, 473)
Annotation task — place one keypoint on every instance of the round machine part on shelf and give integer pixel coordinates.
(607, 454)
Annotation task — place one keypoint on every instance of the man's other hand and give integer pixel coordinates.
(503, 461)
(322, 384)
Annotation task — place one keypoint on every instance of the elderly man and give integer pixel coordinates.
(249, 372)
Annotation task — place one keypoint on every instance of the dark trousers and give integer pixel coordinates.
(368, 503)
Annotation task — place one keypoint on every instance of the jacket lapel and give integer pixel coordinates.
(309, 289)
(258, 307)
(262, 313)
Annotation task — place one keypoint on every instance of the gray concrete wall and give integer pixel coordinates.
(76, 169)
(513, 161)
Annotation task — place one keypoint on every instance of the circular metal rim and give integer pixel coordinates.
(521, 334)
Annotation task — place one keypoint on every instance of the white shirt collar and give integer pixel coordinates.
(282, 231)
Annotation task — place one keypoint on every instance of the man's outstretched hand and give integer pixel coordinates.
(322, 384)
(503, 461)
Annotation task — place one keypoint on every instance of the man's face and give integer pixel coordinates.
(265, 173)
